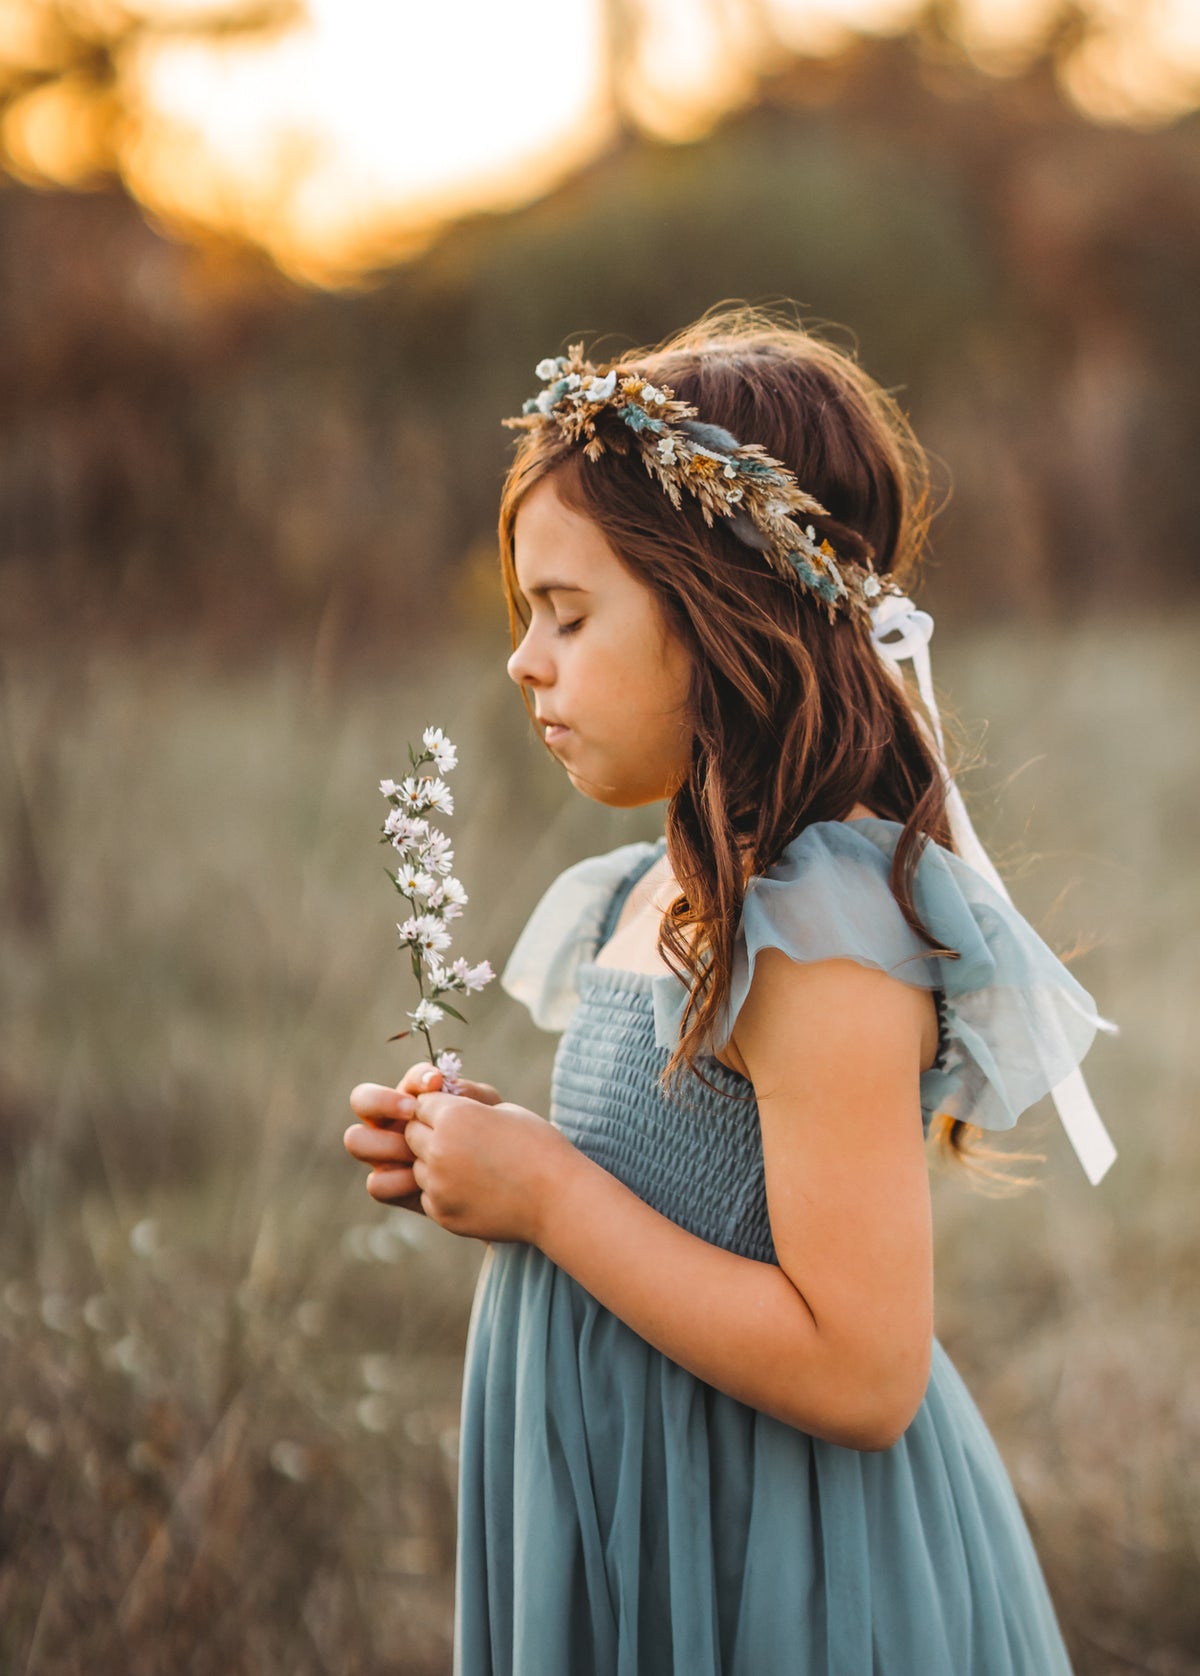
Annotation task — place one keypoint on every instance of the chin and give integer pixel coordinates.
(618, 797)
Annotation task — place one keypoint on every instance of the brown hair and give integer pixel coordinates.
(794, 719)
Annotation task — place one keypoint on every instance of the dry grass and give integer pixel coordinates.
(229, 1433)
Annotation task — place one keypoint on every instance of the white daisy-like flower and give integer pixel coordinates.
(412, 792)
(432, 936)
(410, 931)
(547, 368)
(426, 1014)
(437, 854)
(400, 828)
(545, 401)
(414, 881)
(449, 1064)
(600, 389)
(389, 788)
(438, 975)
(666, 451)
(451, 899)
(439, 796)
(444, 753)
(479, 975)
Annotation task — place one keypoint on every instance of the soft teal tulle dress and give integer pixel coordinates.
(617, 1515)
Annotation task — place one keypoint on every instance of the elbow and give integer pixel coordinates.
(887, 1398)
(882, 1431)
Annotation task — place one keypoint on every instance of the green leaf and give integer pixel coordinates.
(453, 1011)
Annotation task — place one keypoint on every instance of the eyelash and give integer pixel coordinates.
(569, 628)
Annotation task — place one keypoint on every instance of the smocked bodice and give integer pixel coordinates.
(702, 1167)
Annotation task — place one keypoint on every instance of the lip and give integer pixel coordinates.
(554, 730)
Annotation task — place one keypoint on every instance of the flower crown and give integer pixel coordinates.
(739, 481)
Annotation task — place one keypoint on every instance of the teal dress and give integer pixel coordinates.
(619, 1516)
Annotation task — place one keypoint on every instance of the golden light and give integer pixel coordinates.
(347, 141)
(360, 131)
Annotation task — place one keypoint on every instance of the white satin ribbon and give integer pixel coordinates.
(911, 630)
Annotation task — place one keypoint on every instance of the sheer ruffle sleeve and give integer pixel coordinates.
(1014, 1021)
(562, 933)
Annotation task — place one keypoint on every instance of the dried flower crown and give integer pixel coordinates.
(739, 481)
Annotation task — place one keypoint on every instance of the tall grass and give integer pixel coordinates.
(231, 1380)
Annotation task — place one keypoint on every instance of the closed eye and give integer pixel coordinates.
(569, 628)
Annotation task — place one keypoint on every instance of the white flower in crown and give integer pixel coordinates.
(600, 389)
(666, 451)
(547, 368)
(651, 393)
(870, 586)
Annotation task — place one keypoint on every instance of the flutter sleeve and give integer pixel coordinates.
(1014, 1022)
(562, 933)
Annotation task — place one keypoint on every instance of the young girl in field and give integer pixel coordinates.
(706, 1427)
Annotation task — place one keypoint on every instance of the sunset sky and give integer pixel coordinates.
(357, 131)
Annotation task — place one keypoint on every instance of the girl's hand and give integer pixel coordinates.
(485, 1172)
(379, 1140)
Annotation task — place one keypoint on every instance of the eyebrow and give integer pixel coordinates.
(544, 588)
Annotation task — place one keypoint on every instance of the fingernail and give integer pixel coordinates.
(428, 1078)
(406, 1105)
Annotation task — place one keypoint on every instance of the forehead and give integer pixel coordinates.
(556, 547)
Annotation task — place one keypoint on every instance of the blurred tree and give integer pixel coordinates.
(67, 99)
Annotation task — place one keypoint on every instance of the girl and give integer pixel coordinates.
(706, 1426)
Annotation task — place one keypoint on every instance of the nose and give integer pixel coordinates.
(524, 667)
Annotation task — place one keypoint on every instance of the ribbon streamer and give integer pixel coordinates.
(911, 631)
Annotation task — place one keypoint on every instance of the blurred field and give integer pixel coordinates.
(230, 1418)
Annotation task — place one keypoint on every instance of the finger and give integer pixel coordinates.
(430, 1105)
(375, 1103)
(422, 1077)
(377, 1146)
(392, 1187)
(416, 1137)
(481, 1091)
(410, 1082)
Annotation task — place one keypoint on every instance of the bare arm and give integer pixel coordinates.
(836, 1340)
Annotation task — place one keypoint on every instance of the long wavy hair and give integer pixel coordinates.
(794, 719)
